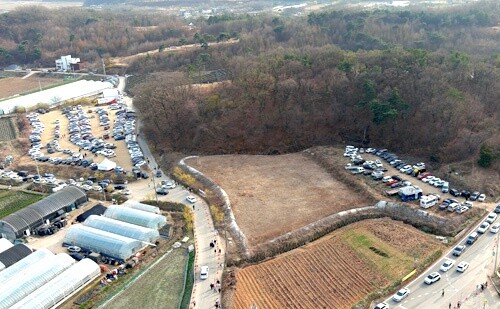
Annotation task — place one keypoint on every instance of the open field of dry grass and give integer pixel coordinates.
(15, 85)
(272, 195)
(336, 271)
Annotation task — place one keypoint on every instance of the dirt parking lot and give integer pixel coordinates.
(122, 156)
(272, 195)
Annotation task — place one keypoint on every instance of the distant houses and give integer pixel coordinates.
(67, 63)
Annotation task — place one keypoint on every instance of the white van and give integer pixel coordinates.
(204, 272)
(428, 201)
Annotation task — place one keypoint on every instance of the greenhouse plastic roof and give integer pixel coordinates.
(24, 218)
(134, 216)
(60, 287)
(56, 95)
(141, 206)
(34, 259)
(21, 286)
(5, 244)
(14, 254)
(113, 245)
(122, 228)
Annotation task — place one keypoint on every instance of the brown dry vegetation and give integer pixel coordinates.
(332, 272)
(272, 195)
(14, 85)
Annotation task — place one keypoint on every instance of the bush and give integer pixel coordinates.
(486, 156)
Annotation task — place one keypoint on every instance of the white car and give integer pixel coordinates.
(491, 217)
(204, 272)
(381, 306)
(74, 249)
(461, 209)
(483, 227)
(447, 265)
(401, 294)
(481, 198)
(494, 228)
(432, 277)
(428, 179)
(462, 266)
(169, 185)
(191, 199)
(386, 179)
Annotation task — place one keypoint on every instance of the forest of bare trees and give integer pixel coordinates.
(423, 82)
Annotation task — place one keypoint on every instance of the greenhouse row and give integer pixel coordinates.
(63, 285)
(110, 244)
(122, 228)
(34, 259)
(32, 278)
(135, 216)
(141, 206)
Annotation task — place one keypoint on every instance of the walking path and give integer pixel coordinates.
(203, 295)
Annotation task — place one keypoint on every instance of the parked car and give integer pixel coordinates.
(455, 192)
(472, 238)
(204, 272)
(162, 191)
(494, 228)
(491, 217)
(458, 250)
(483, 227)
(482, 197)
(401, 294)
(191, 199)
(381, 306)
(497, 209)
(432, 277)
(474, 196)
(462, 266)
(74, 249)
(447, 265)
(461, 209)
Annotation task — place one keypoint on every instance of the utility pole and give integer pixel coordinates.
(154, 187)
(103, 67)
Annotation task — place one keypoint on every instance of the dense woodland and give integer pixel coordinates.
(420, 82)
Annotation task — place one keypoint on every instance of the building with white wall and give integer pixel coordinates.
(66, 63)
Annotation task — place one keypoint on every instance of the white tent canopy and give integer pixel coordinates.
(106, 165)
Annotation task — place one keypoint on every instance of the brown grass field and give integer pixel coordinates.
(15, 85)
(272, 195)
(336, 271)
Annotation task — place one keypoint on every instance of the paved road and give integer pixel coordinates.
(457, 286)
(204, 231)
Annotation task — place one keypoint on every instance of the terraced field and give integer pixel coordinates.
(334, 272)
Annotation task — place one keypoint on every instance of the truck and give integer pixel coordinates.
(410, 193)
(428, 201)
(104, 101)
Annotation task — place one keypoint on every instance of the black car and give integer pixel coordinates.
(144, 175)
(396, 177)
(158, 173)
(120, 187)
(497, 209)
(455, 192)
(465, 194)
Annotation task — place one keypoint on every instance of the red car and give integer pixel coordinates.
(390, 183)
(423, 175)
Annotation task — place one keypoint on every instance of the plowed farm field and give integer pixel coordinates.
(15, 85)
(336, 271)
(273, 195)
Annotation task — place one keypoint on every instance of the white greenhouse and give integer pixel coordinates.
(21, 286)
(59, 288)
(141, 206)
(106, 243)
(5, 244)
(122, 228)
(33, 260)
(134, 216)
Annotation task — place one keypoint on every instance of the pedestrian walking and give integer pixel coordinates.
(219, 290)
(442, 292)
(211, 286)
(449, 306)
(486, 284)
(215, 251)
(193, 208)
(458, 304)
(218, 282)
(220, 251)
(194, 303)
(482, 287)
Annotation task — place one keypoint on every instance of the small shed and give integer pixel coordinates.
(97, 210)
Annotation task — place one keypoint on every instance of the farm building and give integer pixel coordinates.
(97, 210)
(122, 228)
(106, 243)
(135, 216)
(14, 254)
(25, 221)
(33, 259)
(61, 286)
(21, 286)
(56, 95)
(141, 206)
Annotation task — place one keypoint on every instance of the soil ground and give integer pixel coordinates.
(273, 195)
(336, 271)
(15, 85)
